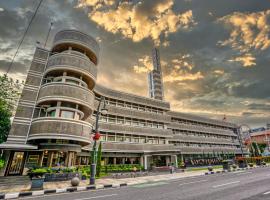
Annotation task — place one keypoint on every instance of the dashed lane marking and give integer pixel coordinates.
(225, 184)
(193, 182)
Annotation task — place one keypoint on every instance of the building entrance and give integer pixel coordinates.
(16, 164)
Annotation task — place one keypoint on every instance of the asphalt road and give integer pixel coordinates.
(248, 185)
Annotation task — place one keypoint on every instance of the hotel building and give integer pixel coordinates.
(56, 112)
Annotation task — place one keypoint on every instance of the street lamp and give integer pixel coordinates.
(100, 110)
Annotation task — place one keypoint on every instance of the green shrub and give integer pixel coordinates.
(2, 163)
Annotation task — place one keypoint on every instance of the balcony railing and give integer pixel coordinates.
(58, 91)
(77, 37)
(70, 61)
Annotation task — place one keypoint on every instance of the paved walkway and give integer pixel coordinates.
(106, 181)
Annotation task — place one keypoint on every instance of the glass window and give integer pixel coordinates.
(120, 138)
(120, 120)
(110, 137)
(67, 114)
(111, 119)
(142, 139)
(135, 122)
(127, 138)
(135, 140)
(72, 81)
(128, 105)
(51, 113)
(128, 121)
(162, 141)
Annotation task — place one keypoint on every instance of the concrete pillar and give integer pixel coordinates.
(50, 159)
(40, 160)
(141, 161)
(145, 162)
(114, 160)
(168, 160)
(123, 160)
(176, 161)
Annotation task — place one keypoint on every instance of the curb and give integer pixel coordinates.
(62, 190)
(234, 170)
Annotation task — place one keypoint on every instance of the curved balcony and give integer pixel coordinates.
(58, 91)
(60, 128)
(135, 130)
(77, 40)
(71, 62)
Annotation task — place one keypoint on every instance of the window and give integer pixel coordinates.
(128, 121)
(120, 138)
(135, 122)
(135, 140)
(128, 105)
(67, 114)
(120, 103)
(128, 138)
(111, 138)
(142, 139)
(102, 137)
(111, 119)
(120, 120)
(162, 141)
(52, 113)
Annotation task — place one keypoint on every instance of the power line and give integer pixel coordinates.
(10, 65)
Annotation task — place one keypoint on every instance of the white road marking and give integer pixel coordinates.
(216, 186)
(193, 182)
(96, 197)
(267, 192)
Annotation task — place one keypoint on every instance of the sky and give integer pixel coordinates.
(214, 54)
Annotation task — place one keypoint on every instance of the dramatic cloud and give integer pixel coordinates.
(248, 32)
(148, 19)
(145, 65)
(247, 60)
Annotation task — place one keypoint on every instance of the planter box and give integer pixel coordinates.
(61, 176)
(37, 183)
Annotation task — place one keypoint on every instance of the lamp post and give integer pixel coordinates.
(100, 110)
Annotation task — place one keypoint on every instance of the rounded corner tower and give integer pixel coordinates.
(65, 100)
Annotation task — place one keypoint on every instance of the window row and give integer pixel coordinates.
(130, 121)
(189, 122)
(117, 137)
(191, 144)
(199, 134)
(59, 109)
(65, 77)
(128, 105)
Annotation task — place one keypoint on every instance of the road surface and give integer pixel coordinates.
(240, 185)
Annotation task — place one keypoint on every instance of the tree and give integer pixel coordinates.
(99, 154)
(9, 93)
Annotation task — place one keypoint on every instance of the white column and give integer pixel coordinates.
(145, 162)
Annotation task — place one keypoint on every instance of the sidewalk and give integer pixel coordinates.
(107, 181)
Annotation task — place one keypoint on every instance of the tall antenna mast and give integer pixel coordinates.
(48, 34)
